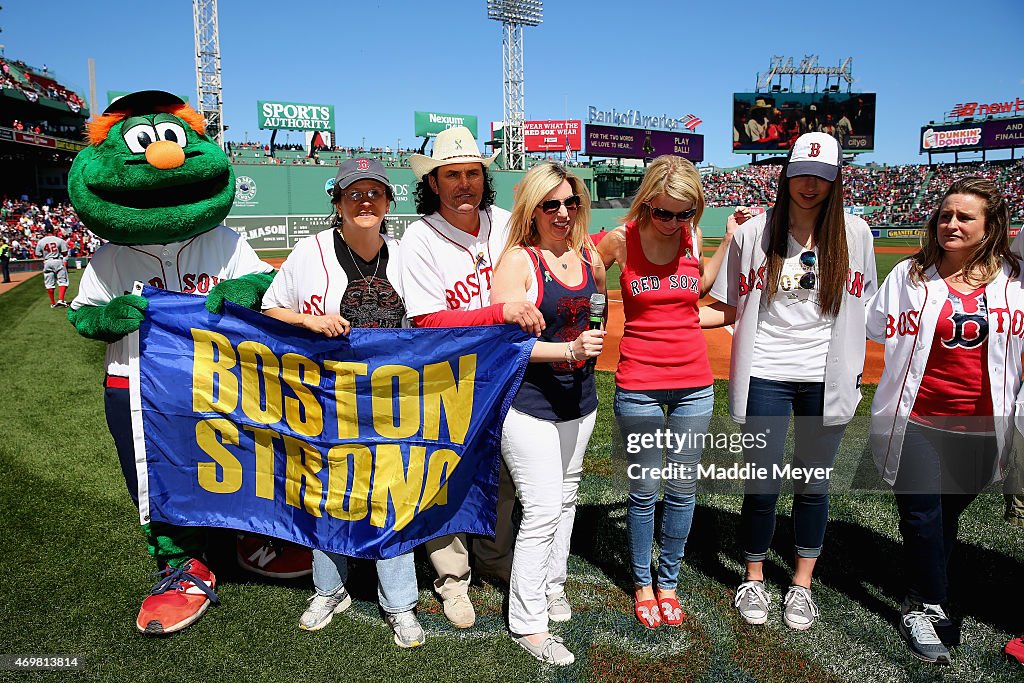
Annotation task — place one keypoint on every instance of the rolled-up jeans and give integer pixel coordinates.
(396, 579)
(770, 403)
(682, 412)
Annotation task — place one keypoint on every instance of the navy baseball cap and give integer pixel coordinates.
(360, 169)
(143, 100)
(816, 154)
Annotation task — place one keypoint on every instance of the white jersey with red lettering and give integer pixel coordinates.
(51, 248)
(444, 268)
(193, 267)
(903, 315)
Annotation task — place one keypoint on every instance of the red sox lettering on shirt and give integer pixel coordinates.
(755, 280)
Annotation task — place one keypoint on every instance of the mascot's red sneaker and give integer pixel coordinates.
(1015, 649)
(180, 598)
(273, 558)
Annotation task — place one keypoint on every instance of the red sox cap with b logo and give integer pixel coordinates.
(352, 170)
(816, 154)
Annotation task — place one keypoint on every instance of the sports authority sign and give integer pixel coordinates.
(294, 116)
(430, 123)
(552, 136)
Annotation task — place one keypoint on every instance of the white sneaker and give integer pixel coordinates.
(322, 609)
(753, 601)
(407, 629)
(550, 650)
(459, 611)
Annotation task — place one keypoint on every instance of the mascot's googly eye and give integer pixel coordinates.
(168, 130)
(141, 136)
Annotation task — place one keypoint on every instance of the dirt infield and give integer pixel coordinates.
(17, 279)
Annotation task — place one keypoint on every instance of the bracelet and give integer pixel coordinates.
(572, 354)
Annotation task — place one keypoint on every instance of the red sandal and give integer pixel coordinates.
(647, 613)
(670, 610)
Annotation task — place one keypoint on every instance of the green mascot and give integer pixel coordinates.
(153, 184)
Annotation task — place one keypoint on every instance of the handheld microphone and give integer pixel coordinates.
(597, 306)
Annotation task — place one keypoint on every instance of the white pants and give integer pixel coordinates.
(545, 460)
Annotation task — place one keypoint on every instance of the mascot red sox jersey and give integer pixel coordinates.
(447, 269)
(193, 267)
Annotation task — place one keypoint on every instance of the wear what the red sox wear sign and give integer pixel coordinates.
(552, 136)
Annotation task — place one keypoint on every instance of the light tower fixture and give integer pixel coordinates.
(208, 85)
(514, 15)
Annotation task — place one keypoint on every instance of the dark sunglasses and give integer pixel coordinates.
(357, 195)
(808, 260)
(572, 202)
(665, 216)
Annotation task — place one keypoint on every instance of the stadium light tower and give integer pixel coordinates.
(208, 87)
(514, 15)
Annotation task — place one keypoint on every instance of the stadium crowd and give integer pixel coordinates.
(23, 223)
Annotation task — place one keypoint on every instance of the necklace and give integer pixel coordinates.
(376, 265)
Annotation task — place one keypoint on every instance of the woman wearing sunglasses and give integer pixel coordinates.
(796, 280)
(663, 377)
(350, 276)
(549, 260)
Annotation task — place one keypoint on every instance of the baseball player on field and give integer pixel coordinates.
(53, 250)
(448, 258)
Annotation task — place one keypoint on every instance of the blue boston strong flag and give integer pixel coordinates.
(367, 445)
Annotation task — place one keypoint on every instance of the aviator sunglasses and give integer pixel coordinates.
(665, 215)
(572, 202)
(808, 260)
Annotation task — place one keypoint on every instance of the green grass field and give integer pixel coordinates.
(75, 570)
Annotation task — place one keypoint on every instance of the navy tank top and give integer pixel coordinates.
(563, 390)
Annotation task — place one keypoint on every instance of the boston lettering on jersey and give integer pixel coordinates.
(967, 327)
(755, 280)
(468, 287)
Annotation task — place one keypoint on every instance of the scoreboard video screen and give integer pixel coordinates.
(767, 123)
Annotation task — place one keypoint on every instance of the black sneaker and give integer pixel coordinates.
(948, 630)
(917, 627)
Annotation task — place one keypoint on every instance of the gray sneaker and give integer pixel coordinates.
(753, 601)
(559, 608)
(917, 627)
(550, 650)
(407, 629)
(322, 609)
(800, 610)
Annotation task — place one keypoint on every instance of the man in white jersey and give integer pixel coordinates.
(448, 258)
(53, 250)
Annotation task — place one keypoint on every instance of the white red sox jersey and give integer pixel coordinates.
(193, 267)
(312, 281)
(444, 268)
(51, 248)
(902, 315)
(740, 283)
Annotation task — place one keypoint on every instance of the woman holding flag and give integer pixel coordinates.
(343, 277)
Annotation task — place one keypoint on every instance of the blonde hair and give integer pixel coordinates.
(669, 175)
(535, 185)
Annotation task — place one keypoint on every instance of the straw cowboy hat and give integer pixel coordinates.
(451, 146)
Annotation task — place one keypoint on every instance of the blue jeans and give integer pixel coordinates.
(940, 474)
(396, 579)
(769, 406)
(684, 412)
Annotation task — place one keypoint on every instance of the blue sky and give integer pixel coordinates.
(377, 61)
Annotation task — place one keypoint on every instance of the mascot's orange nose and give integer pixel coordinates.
(165, 154)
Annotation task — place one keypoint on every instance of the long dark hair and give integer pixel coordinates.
(829, 235)
(983, 264)
(427, 201)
